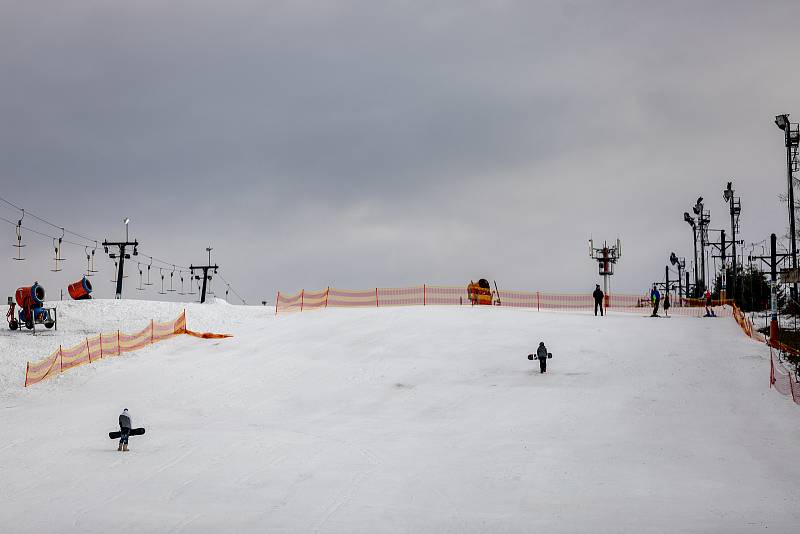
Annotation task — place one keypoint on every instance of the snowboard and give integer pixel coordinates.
(532, 357)
(134, 432)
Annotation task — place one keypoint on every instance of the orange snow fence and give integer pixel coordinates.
(779, 377)
(428, 295)
(108, 344)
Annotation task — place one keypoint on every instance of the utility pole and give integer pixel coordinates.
(772, 260)
(206, 277)
(721, 246)
(792, 138)
(703, 219)
(690, 220)
(735, 207)
(122, 256)
(680, 263)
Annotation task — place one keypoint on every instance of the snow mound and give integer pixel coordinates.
(425, 419)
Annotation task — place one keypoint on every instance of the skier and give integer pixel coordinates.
(124, 429)
(542, 355)
(655, 296)
(598, 300)
(666, 305)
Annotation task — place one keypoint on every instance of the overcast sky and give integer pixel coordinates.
(363, 144)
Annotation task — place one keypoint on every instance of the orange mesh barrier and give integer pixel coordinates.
(427, 295)
(108, 344)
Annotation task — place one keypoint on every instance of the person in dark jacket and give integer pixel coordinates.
(598, 300)
(124, 430)
(542, 355)
(667, 304)
(655, 296)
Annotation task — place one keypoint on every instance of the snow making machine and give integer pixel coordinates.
(31, 309)
(480, 293)
(80, 290)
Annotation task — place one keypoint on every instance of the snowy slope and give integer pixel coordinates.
(404, 420)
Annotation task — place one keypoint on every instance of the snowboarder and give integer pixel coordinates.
(666, 305)
(541, 355)
(124, 429)
(655, 296)
(598, 300)
(709, 308)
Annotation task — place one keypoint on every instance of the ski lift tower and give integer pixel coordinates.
(606, 256)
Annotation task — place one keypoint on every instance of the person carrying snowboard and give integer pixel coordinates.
(667, 305)
(124, 430)
(542, 355)
(655, 297)
(598, 300)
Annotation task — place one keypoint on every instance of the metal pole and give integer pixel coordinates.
(773, 326)
(723, 282)
(791, 202)
(687, 283)
(733, 251)
(118, 294)
(680, 284)
(702, 250)
(694, 233)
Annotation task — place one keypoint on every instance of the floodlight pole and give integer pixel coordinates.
(735, 210)
(791, 201)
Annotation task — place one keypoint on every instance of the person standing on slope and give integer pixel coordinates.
(667, 304)
(542, 355)
(655, 297)
(598, 300)
(124, 430)
(709, 308)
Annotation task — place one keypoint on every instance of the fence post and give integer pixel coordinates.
(101, 346)
(60, 359)
(424, 294)
(327, 292)
(88, 351)
(376, 297)
(119, 346)
(302, 298)
(537, 301)
(277, 298)
(27, 368)
(151, 331)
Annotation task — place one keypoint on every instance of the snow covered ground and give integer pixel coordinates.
(400, 420)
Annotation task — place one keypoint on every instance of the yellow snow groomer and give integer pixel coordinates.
(480, 293)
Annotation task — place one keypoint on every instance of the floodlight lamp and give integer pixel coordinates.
(782, 121)
(726, 195)
(688, 218)
(673, 259)
(126, 221)
(106, 249)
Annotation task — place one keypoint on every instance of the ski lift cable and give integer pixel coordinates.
(232, 289)
(42, 233)
(76, 234)
(82, 245)
(65, 230)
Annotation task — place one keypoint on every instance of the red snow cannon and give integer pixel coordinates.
(80, 290)
(31, 309)
(30, 297)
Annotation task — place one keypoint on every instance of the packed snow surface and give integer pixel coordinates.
(419, 419)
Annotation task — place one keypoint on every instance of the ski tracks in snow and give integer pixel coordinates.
(345, 494)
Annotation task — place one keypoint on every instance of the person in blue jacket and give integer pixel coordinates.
(655, 297)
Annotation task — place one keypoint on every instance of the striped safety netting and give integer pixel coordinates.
(107, 345)
(433, 295)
